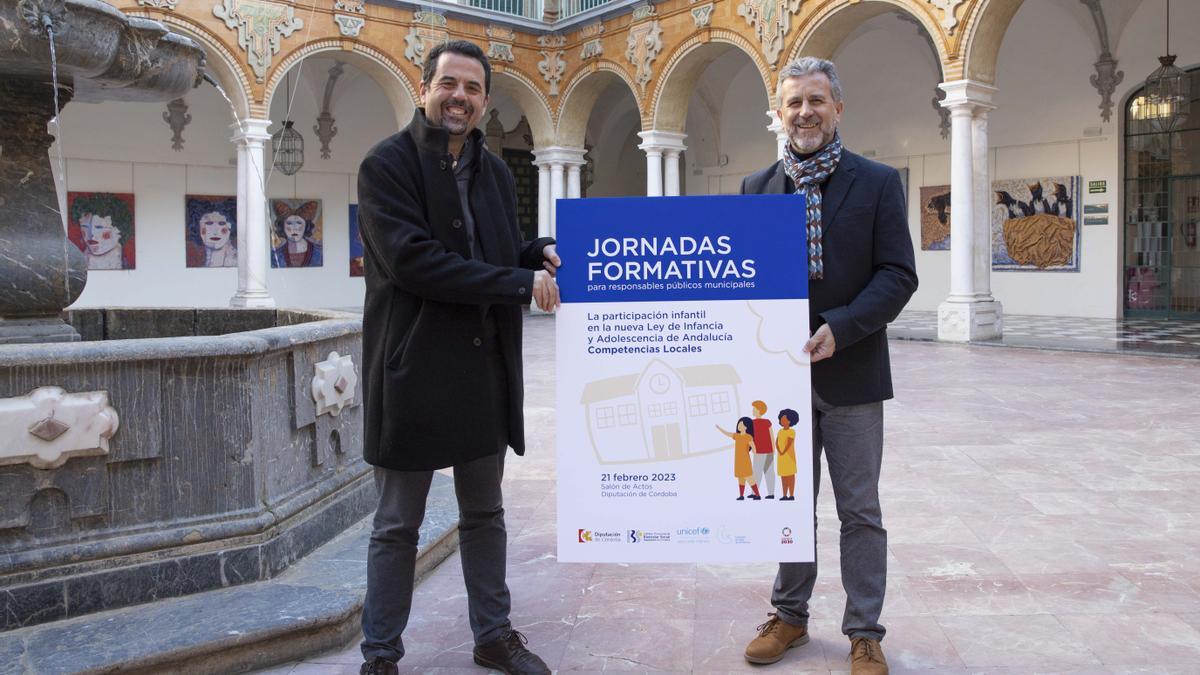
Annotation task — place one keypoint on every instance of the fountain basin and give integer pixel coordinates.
(229, 455)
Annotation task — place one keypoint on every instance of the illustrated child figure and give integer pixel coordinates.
(764, 450)
(785, 442)
(743, 447)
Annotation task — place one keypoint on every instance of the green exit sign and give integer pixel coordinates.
(1097, 186)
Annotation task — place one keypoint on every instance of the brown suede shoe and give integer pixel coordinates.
(866, 657)
(775, 637)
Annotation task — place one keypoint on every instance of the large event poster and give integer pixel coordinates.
(680, 367)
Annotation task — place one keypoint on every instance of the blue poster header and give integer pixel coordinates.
(650, 249)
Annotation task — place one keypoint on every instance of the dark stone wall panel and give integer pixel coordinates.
(207, 424)
(28, 605)
(133, 391)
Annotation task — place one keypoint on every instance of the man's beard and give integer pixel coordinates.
(806, 144)
(457, 125)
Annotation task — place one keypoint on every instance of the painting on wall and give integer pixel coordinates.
(935, 218)
(101, 225)
(1035, 224)
(211, 230)
(356, 245)
(296, 233)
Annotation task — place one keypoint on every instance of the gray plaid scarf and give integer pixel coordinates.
(808, 175)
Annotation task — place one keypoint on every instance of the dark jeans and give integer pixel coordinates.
(391, 558)
(852, 437)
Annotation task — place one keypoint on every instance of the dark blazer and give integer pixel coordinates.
(426, 378)
(869, 273)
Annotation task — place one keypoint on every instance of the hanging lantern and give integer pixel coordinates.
(287, 144)
(1167, 96)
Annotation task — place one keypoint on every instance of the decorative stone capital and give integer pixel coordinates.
(771, 20)
(499, 51)
(968, 94)
(252, 131)
(557, 154)
(350, 26)
(50, 426)
(260, 26)
(949, 21)
(702, 15)
(552, 66)
(591, 49)
(641, 48)
(662, 141)
(421, 39)
(350, 6)
(334, 384)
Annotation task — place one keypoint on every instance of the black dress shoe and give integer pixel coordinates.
(509, 655)
(378, 666)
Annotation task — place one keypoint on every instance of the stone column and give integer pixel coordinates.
(656, 145)
(574, 190)
(558, 190)
(572, 161)
(543, 198)
(775, 126)
(671, 172)
(41, 271)
(969, 313)
(654, 186)
(253, 236)
(559, 162)
(983, 198)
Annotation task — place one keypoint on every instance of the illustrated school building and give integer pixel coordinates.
(1041, 173)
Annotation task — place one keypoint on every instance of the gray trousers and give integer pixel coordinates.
(392, 555)
(852, 437)
(764, 472)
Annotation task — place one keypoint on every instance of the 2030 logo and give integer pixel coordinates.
(786, 536)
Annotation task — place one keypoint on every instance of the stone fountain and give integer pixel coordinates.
(145, 453)
(95, 53)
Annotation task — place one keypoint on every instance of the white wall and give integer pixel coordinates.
(727, 121)
(125, 147)
(612, 131)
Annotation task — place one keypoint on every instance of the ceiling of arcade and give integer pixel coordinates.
(657, 50)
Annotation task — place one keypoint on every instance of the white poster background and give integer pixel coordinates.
(643, 473)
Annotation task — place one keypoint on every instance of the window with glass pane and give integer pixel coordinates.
(1162, 212)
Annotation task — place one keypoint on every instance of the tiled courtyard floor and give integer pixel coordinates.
(1043, 510)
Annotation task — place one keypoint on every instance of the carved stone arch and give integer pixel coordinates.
(220, 62)
(534, 104)
(580, 96)
(684, 67)
(986, 24)
(390, 77)
(826, 29)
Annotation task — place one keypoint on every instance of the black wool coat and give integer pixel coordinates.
(870, 273)
(425, 366)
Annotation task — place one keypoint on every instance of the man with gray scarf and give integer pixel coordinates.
(861, 273)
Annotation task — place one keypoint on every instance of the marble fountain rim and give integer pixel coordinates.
(330, 324)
